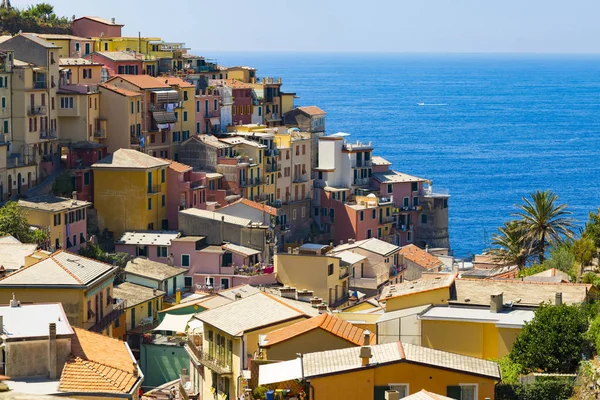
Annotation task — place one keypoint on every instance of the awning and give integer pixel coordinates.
(174, 323)
(164, 117)
(166, 96)
(279, 372)
(214, 121)
(195, 325)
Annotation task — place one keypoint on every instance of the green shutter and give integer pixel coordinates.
(453, 392)
(379, 392)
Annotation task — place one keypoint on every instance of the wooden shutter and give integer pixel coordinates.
(379, 392)
(453, 392)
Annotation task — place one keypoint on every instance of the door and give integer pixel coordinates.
(29, 179)
(132, 318)
(87, 48)
(10, 184)
(174, 285)
(19, 183)
(98, 307)
(224, 283)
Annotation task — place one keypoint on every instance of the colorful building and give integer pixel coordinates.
(69, 45)
(141, 307)
(155, 275)
(96, 27)
(65, 220)
(185, 111)
(121, 109)
(208, 111)
(435, 291)
(185, 189)
(137, 180)
(418, 261)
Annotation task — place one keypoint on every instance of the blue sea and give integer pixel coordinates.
(490, 129)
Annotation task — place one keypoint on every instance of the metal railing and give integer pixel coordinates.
(48, 134)
(154, 188)
(99, 133)
(300, 178)
(362, 181)
(209, 361)
(40, 85)
(109, 318)
(36, 110)
(195, 184)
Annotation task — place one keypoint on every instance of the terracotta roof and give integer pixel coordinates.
(420, 257)
(177, 166)
(232, 83)
(258, 206)
(173, 80)
(121, 91)
(141, 81)
(327, 322)
(425, 395)
(99, 364)
(408, 288)
(311, 110)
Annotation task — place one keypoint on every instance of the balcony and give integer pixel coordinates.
(134, 140)
(405, 228)
(362, 164)
(196, 185)
(362, 181)
(154, 188)
(273, 167)
(99, 133)
(40, 85)
(219, 366)
(48, 134)
(300, 178)
(108, 319)
(407, 209)
(387, 220)
(358, 146)
(344, 272)
(37, 110)
(254, 182)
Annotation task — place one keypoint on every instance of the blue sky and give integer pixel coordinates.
(481, 26)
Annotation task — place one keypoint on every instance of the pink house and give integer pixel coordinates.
(96, 27)
(118, 62)
(185, 189)
(80, 157)
(208, 111)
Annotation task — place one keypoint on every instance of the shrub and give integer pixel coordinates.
(555, 389)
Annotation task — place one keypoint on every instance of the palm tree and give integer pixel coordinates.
(545, 222)
(511, 247)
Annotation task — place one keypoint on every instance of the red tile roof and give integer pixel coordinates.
(173, 80)
(420, 257)
(121, 91)
(327, 322)
(141, 81)
(258, 206)
(99, 364)
(177, 166)
(311, 110)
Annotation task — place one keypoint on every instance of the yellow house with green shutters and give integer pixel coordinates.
(142, 305)
(130, 192)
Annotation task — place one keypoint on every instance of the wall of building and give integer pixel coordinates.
(30, 358)
(162, 363)
(88, 28)
(436, 297)
(361, 384)
(309, 342)
(71, 299)
(134, 318)
(116, 109)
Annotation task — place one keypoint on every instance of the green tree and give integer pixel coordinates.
(63, 185)
(554, 341)
(592, 227)
(545, 221)
(511, 248)
(584, 251)
(13, 221)
(561, 258)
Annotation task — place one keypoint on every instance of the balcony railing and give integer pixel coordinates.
(36, 110)
(195, 184)
(48, 134)
(154, 188)
(344, 273)
(273, 167)
(362, 181)
(362, 164)
(40, 85)
(405, 228)
(300, 178)
(108, 319)
(219, 366)
(387, 220)
(99, 133)
(407, 209)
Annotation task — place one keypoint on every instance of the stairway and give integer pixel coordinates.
(46, 186)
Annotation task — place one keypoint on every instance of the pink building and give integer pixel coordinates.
(118, 62)
(96, 27)
(242, 99)
(80, 157)
(185, 189)
(219, 267)
(208, 111)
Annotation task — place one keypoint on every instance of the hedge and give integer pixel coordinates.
(540, 390)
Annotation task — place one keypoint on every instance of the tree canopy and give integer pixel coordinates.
(554, 341)
(38, 18)
(13, 221)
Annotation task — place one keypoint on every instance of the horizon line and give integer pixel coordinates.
(391, 52)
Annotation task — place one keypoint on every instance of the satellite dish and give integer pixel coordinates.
(101, 34)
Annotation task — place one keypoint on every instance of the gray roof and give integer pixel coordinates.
(245, 251)
(31, 320)
(216, 216)
(129, 159)
(135, 294)
(335, 361)
(550, 275)
(259, 310)
(52, 203)
(35, 38)
(152, 270)
(508, 318)
(209, 140)
(154, 238)
(242, 290)
(478, 291)
(76, 61)
(60, 269)
(377, 160)
(388, 316)
(350, 258)
(394, 177)
(13, 252)
(373, 245)
(417, 286)
(117, 55)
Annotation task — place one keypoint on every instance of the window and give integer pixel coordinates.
(316, 211)
(56, 219)
(462, 391)
(184, 115)
(389, 188)
(161, 251)
(5, 126)
(409, 237)
(332, 215)
(215, 104)
(162, 175)
(3, 102)
(374, 213)
(362, 215)
(369, 234)
(330, 269)
(86, 178)
(187, 281)
(185, 260)
(424, 218)
(149, 203)
(164, 200)
(66, 102)
(77, 47)
(82, 240)
(401, 388)
(132, 107)
(185, 95)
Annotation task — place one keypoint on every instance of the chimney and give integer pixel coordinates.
(392, 395)
(315, 301)
(178, 296)
(288, 292)
(351, 241)
(135, 369)
(496, 303)
(322, 308)
(154, 292)
(113, 21)
(289, 250)
(14, 302)
(52, 367)
(365, 350)
(74, 195)
(558, 299)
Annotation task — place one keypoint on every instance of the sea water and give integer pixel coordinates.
(490, 129)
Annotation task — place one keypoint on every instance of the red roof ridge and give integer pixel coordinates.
(88, 364)
(401, 350)
(283, 303)
(63, 267)
(519, 281)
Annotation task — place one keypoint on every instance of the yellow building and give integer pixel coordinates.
(142, 304)
(83, 286)
(230, 339)
(79, 114)
(64, 219)
(310, 267)
(367, 372)
(185, 110)
(69, 45)
(80, 71)
(435, 291)
(325, 332)
(242, 74)
(123, 128)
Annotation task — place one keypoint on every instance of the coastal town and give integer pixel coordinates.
(174, 228)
